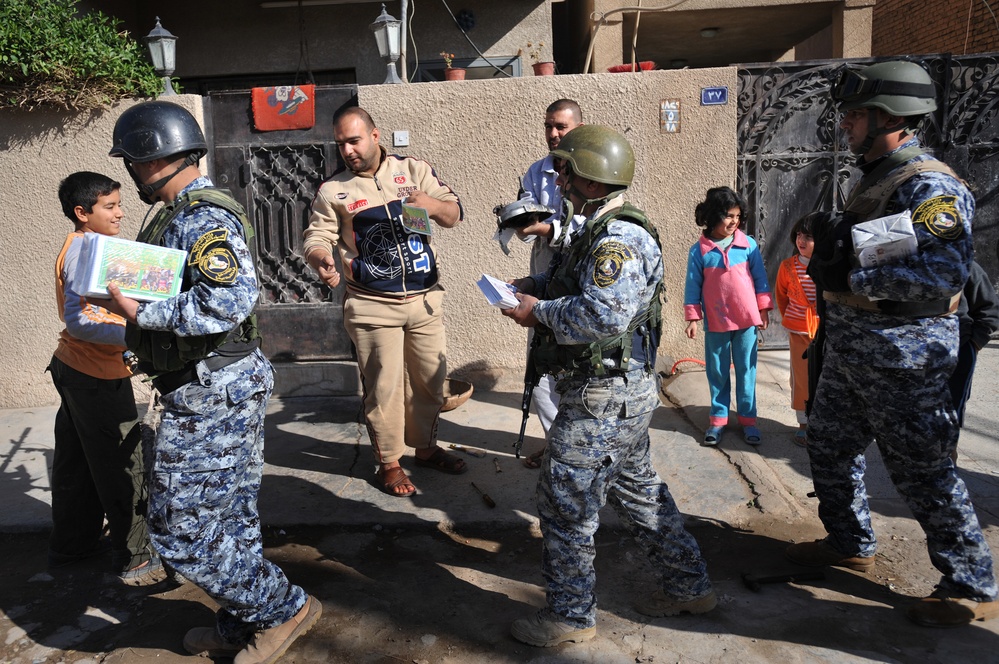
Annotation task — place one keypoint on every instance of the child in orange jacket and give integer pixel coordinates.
(795, 295)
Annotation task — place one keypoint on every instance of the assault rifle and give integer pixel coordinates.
(531, 378)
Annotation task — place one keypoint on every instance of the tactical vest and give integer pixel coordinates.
(588, 359)
(161, 351)
(869, 200)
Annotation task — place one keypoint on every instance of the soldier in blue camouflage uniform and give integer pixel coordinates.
(890, 345)
(599, 333)
(201, 347)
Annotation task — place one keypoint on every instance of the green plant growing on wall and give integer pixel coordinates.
(51, 55)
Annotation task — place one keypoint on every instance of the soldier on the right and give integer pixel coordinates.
(890, 344)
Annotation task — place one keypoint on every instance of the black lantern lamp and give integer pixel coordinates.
(387, 32)
(163, 52)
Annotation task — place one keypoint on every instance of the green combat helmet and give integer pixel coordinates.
(898, 87)
(599, 154)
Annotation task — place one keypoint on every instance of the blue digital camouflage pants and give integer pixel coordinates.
(207, 463)
(598, 451)
(907, 412)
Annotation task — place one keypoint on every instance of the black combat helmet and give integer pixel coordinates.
(156, 130)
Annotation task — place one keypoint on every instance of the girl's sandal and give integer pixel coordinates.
(712, 436)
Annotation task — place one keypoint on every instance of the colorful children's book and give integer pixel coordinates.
(142, 271)
(416, 219)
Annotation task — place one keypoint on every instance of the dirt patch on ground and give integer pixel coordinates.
(445, 595)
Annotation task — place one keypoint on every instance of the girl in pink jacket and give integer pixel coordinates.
(727, 288)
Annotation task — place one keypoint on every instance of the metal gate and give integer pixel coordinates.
(275, 175)
(792, 160)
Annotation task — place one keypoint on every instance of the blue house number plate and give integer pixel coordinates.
(714, 96)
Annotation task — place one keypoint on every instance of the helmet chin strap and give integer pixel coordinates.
(571, 189)
(146, 191)
(873, 132)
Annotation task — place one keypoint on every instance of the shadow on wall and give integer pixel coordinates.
(47, 125)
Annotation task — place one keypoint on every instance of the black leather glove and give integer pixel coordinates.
(830, 264)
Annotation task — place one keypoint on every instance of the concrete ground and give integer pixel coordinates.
(438, 577)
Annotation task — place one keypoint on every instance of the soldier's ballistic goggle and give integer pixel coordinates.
(853, 86)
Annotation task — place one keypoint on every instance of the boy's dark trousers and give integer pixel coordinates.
(96, 470)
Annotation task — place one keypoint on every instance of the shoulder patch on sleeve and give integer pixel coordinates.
(214, 258)
(940, 216)
(209, 239)
(609, 259)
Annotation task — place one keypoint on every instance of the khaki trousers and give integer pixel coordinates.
(401, 357)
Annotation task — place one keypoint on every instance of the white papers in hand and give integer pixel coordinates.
(884, 240)
(498, 293)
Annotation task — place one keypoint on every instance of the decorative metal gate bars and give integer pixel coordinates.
(792, 160)
(275, 175)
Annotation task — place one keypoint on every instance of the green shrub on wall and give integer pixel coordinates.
(50, 55)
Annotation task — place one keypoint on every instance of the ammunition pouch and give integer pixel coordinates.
(168, 382)
(162, 352)
(639, 340)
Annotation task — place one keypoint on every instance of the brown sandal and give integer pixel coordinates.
(444, 462)
(393, 478)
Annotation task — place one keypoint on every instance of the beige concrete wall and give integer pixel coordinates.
(480, 135)
(853, 29)
(37, 150)
(611, 45)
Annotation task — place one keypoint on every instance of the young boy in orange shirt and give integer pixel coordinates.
(97, 466)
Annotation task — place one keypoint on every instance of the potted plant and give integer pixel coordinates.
(534, 52)
(451, 73)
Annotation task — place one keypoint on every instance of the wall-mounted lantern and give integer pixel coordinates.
(163, 52)
(387, 32)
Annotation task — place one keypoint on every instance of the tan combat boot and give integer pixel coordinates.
(544, 629)
(938, 610)
(207, 642)
(659, 604)
(820, 554)
(268, 645)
